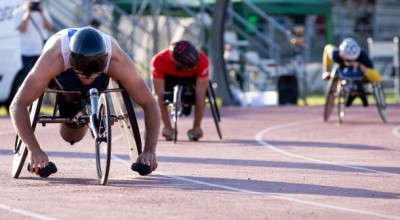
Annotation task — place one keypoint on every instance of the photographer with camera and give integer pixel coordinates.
(33, 21)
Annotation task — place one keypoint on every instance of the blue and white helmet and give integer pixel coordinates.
(350, 49)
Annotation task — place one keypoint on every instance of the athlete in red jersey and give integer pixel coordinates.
(180, 64)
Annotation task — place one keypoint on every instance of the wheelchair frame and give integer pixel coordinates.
(342, 87)
(177, 106)
(99, 121)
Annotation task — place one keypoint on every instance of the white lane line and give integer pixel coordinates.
(262, 194)
(7, 132)
(281, 197)
(154, 185)
(395, 131)
(260, 134)
(21, 211)
(26, 213)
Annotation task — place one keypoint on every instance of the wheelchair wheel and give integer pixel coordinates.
(128, 123)
(176, 110)
(341, 103)
(214, 109)
(330, 97)
(210, 87)
(20, 150)
(103, 145)
(380, 100)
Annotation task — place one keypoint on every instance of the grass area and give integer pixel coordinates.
(3, 110)
(45, 110)
(319, 99)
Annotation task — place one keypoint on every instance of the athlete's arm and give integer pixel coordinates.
(366, 65)
(201, 89)
(327, 61)
(158, 83)
(159, 89)
(49, 65)
(123, 69)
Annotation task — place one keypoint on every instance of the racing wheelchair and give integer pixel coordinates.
(341, 87)
(98, 116)
(181, 100)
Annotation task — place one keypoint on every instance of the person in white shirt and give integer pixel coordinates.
(33, 21)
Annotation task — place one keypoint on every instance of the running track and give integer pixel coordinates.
(273, 163)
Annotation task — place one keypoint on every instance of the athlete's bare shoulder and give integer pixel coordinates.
(120, 64)
(117, 52)
(52, 54)
(53, 44)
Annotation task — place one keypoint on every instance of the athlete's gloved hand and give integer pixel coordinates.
(142, 169)
(326, 75)
(45, 172)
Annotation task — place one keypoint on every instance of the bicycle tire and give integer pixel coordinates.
(330, 97)
(104, 131)
(214, 109)
(379, 95)
(20, 149)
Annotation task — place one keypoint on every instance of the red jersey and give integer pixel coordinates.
(163, 64)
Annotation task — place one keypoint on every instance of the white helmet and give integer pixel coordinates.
(350, 49)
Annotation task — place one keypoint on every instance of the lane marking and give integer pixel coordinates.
(21, 211)
(7, 132)
(154, 185)
(259, 135)
(118, 159)
(282, 197)
(258, 138)
(24, 212)
(395, 131)
(265, 194)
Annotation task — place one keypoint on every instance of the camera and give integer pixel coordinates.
(35, 6)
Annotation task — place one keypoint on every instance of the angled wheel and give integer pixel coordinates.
(330, 97)
(127, 120)
(20, 149)
(103, 144)
(380, 100)
(214, 109)
(211, 90)
(176, 109)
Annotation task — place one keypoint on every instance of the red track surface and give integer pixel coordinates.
(273, 163)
